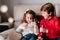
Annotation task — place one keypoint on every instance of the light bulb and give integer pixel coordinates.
(4, 8)
(10, 20)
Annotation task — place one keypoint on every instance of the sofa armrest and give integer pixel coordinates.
(11, 34)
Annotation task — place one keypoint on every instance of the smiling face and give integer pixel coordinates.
(46, 15)
(29, 18)
(47, 10)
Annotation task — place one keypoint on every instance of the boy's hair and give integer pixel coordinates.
(28, 12)
(49, 7)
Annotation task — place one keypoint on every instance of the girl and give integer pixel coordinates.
(50, 24)
(28, 27)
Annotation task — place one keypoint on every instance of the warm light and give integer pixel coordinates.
(4, 8)
(1, 38)
(10, 20)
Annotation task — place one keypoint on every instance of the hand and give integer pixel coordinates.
(40, 38)
(41, 29)
(44, 30)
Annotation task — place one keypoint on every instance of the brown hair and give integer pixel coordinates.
(49, 7)
(28, 12)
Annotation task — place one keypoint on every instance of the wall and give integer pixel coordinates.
(35, 1)
(39, 2)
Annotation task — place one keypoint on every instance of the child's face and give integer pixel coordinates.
(45, 14)
(29, 17)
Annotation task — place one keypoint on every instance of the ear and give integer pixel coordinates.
(50, 13)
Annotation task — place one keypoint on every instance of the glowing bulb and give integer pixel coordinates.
(10, 20)
(1, 38)
(4, 8)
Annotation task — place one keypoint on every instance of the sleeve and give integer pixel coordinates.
(20, 28)
(36, 29)
(57, 26)
(40, 33)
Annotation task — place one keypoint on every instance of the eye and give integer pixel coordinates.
(30, 18)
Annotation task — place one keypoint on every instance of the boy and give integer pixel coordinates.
(50, 24)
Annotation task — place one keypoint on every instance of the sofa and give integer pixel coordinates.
(10, 35)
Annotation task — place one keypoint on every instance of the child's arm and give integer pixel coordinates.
(19, 29)
(41, 31)
(57, 26)
(35, 28)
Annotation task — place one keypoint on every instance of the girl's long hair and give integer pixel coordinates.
(28, 12)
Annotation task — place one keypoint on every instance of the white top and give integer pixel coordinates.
(30, 28)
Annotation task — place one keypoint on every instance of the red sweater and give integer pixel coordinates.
(53, 27)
